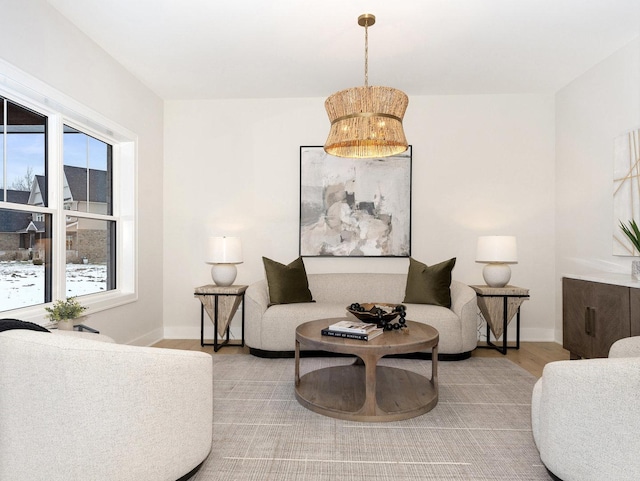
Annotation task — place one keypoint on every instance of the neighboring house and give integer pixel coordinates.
(19, 233)
(22, 233)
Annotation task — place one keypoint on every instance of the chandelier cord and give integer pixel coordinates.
(366, 54)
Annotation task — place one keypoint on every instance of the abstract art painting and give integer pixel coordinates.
(626, 189)
(354, 207)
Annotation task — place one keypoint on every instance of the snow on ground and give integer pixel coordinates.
(22, 283)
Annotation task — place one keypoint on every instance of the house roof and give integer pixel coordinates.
(77, 181)
(17, 196)
(15, 220)
(33, 226)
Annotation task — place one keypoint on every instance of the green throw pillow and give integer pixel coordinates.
(429, 285)
(287, 284)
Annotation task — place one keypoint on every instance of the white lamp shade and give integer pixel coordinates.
(497, 248)
(224, 250)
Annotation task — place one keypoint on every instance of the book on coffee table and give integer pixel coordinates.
(375, 332)
(349, 335)
(353, 327)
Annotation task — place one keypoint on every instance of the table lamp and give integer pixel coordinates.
(497, 252)
(224, 253)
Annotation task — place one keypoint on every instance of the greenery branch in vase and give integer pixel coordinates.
(633, 234)
(63, 312)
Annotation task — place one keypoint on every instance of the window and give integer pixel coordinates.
(67, 221)
(90, 239)
(25, 274)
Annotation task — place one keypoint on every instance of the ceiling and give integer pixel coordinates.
(199, 49)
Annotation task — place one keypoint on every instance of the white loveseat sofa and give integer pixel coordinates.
(73, 407)
(585, 416)
(270, 330)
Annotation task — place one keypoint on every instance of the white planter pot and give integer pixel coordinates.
(66, 325)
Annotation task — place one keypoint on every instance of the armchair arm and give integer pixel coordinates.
(627, 347)
(589, 419)
(465, 305)
(256, 302)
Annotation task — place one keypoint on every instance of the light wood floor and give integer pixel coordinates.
(531, 356)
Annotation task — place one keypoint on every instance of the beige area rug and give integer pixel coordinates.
(480, 429)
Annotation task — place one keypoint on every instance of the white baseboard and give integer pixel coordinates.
(526, 334)
(148, 339)
(559, 336)
(192, 331)
(537, 335)
(189, 332)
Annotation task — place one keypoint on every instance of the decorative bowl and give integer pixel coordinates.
(368, 311)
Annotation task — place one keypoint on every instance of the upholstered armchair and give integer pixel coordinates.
(74, 407)
(586, 416)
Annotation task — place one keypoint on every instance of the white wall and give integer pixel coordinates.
(40, 42)
(591, 112)
(481, 165)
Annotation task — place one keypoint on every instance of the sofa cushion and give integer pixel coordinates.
(278, 323)
(8, 324)
(287, 284)
(429, 285)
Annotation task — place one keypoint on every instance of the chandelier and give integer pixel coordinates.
(366, 121)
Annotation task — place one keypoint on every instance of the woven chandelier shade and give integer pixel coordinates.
(366, 122)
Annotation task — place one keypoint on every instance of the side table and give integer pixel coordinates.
(221, 304)
(498, 305)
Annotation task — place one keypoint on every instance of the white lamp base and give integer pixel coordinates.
(224, 274)
(496, 274)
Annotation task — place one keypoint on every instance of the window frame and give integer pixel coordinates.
(61, 110)
(113, 217)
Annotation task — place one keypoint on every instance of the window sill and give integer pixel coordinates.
(93, 302)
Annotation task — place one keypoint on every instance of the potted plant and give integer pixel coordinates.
(633, 234)
(64, 312)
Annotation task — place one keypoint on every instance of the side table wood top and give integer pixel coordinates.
(214, 289)
(507, 290)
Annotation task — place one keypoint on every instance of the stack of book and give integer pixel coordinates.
(353, 330)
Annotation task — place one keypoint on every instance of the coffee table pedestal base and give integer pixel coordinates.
(341, 392)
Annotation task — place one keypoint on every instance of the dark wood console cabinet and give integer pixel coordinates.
(595, 315)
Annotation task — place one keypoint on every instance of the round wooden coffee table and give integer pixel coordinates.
(364, 391)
